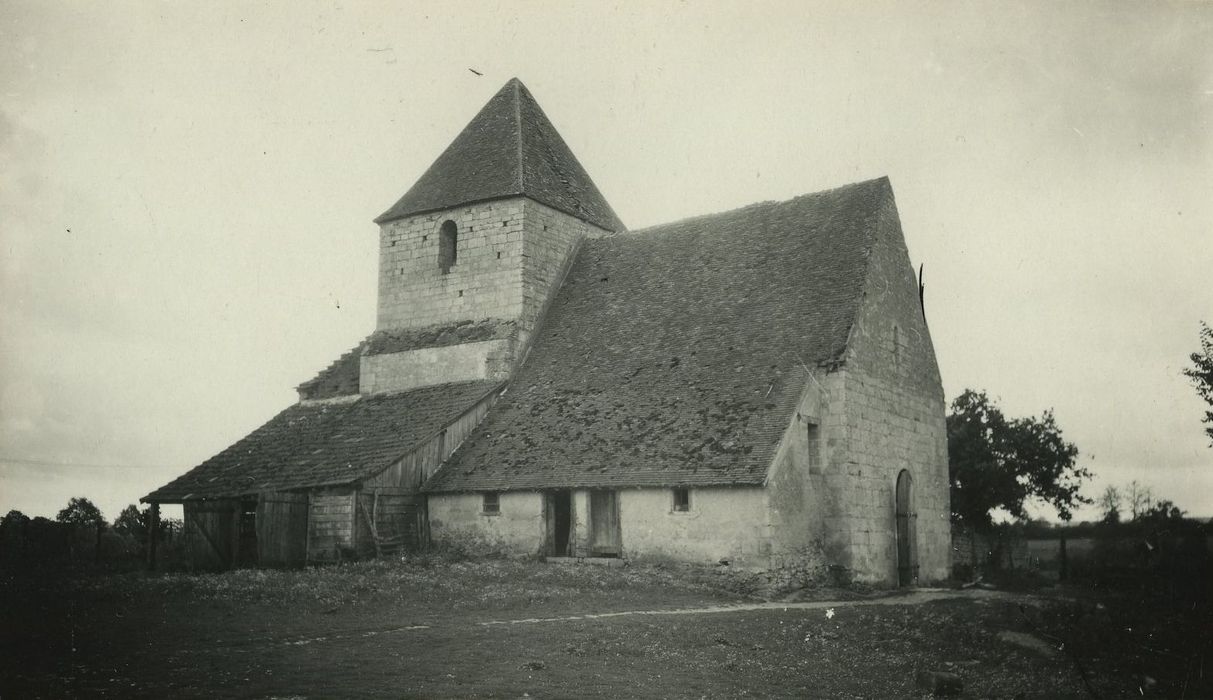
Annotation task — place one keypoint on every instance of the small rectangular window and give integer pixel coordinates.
(492, 503)
(682, 500)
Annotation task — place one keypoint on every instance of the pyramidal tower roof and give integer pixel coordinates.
(508, 149)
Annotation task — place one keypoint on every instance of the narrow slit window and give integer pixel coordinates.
(682, 500)
(492, 503)
(448, 246)
(812, 449)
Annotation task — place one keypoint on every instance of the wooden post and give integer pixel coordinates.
(153, 534)
(1064, 572)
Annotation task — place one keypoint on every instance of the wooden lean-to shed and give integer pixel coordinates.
(327, 479)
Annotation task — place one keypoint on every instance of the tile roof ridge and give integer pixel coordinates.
(883, 179)
(521, 180)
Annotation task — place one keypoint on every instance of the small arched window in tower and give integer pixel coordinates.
(448, 246)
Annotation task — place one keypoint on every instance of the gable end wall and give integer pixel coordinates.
(893, 406)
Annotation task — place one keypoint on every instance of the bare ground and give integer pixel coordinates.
(451, 629)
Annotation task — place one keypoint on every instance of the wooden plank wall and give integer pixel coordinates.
(412, 470)
(396, 517)
(282, 524)
(211, 532)
(330, 532)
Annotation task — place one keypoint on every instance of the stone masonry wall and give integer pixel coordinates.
(401, 371)
(547, 248)
(512, 254)
(485, 282)
(893, 403)
(799, 501)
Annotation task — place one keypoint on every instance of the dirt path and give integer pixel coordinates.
(917, 597)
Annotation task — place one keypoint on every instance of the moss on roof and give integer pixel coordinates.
(676, 355)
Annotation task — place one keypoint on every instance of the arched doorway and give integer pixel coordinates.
(907, 542)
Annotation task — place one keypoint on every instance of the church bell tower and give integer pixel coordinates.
(470, 256)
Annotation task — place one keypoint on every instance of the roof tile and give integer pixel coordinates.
(676, 355)
(331, 443)
(510, 148)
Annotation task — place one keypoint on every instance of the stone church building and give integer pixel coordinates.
(756, 387)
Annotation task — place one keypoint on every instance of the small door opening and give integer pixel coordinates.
(246, 551)
(605, 540)
(560, 522)
(907, 545)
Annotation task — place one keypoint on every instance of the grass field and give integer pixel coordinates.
(418, 629)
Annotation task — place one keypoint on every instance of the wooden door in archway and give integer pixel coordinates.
(907, 540)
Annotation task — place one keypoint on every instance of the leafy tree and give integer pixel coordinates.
(14, 518)
(131, 521)
(1163, 512)
(81, 512)
(994, 462)
(1201, 374)
(1109, 505)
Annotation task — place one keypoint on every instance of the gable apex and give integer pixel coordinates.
(508, 149)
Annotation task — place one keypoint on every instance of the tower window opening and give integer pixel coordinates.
(448, 246)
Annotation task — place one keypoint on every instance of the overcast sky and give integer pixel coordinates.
(186, 195)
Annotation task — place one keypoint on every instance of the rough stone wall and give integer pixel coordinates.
(891, 399)
(800, 507)
(547, 252)
(517, 529)
(724, 523)
(485, 282)
(512, 254)
(400, 371)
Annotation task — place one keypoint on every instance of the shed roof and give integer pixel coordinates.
(326, 443)
(510, 148)
(676, 355)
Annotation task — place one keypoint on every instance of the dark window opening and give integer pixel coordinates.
(492, 503)
(813, 450)
(682, 500)
(448, 246)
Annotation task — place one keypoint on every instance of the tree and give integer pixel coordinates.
(1163, 512)
(14, 519)
(1109, 505)
(994, 462)
(131, 522)
(81, 512)
(1139, 499)
(1201, 374)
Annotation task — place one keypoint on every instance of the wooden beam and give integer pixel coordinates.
(153, 534)
(370, 523)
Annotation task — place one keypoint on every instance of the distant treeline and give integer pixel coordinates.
(80, 536)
